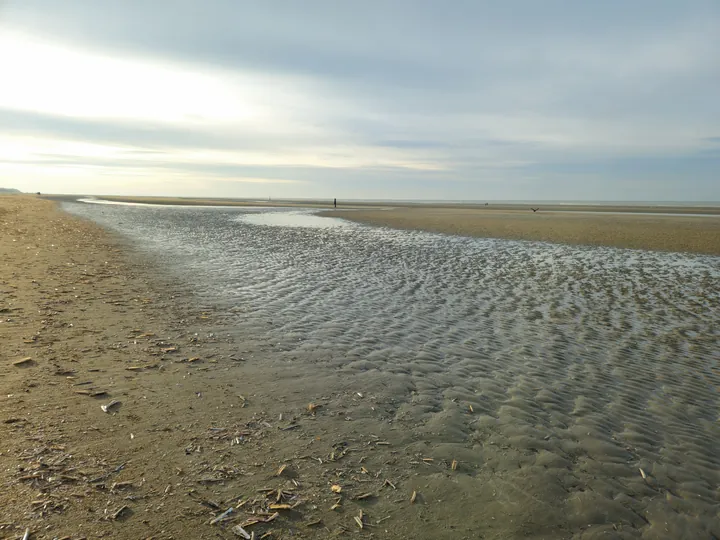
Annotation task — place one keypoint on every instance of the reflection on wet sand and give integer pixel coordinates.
(575, 389)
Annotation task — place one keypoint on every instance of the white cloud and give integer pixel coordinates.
(250, 95)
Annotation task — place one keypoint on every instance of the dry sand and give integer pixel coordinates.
(696, 234)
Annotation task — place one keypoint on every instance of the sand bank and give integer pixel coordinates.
(626, 229)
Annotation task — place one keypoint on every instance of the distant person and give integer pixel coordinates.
(335, 203)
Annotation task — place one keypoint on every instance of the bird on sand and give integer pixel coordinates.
(534, 209)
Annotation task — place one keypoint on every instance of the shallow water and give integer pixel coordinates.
(552, 373)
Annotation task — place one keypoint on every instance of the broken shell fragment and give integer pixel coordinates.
(239, 531)
(106, 408)
(22, 361)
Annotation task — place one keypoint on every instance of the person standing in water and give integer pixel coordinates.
(335, 203)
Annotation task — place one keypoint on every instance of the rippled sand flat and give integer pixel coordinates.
(576, 388)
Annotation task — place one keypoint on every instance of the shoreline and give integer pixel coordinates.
(691, 229)
(491, 208)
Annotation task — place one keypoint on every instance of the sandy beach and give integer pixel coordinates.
(625, 227)
(195, 424)
(126, 413)
(317, 439)
(81, 328)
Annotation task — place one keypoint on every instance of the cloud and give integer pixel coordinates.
(473, 99)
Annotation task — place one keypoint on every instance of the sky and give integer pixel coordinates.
(379, 99)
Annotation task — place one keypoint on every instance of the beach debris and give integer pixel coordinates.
(389, 483)
(470, 409)
(413, 497)
(121, 485)
(109, 406)
(454, 464)
(26, 536)
(365, 496)
(314, 522)
(359, 394)
(280, 506)
(336, 488)
(257, 519)
(205, 502)
(359, 520)
(643, 474)
(222, 516)
(22, 361)
(312, 407)
(91, 393)
(119, 512)
(239, 531)
(107, 475)
(337, 504)
(279, 493)
(281, 470)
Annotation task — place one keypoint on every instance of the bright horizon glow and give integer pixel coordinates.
(324, 107)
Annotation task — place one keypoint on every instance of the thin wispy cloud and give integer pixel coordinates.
(380, 99)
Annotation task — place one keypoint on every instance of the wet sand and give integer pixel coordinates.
(625, 227)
